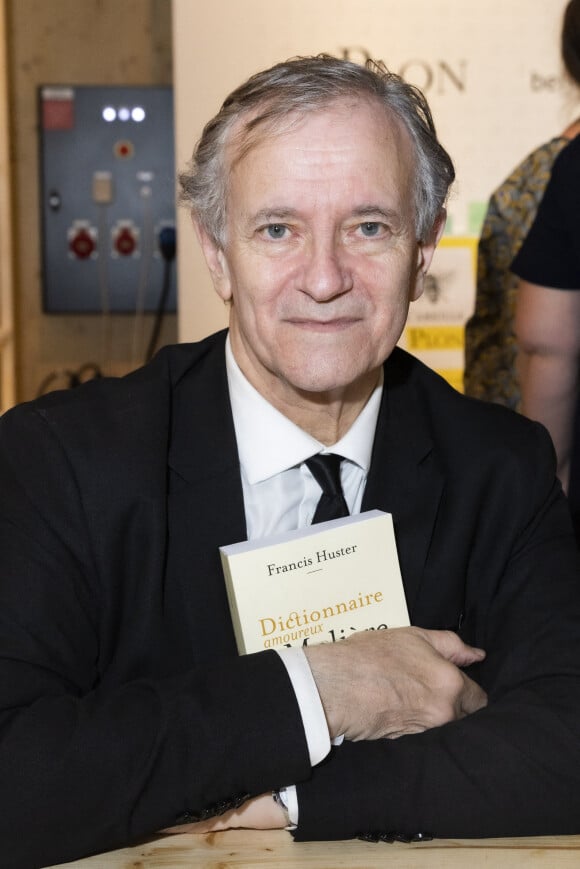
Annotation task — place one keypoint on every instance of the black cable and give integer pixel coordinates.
(167, 246)
(87, 371)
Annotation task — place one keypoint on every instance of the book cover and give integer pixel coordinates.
(316, 584)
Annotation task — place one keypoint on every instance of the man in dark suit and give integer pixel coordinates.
(318, 197)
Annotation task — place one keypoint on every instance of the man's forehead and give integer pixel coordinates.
(266, 122)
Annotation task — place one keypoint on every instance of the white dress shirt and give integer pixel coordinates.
(280, 494)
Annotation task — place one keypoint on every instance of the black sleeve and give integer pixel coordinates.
(550, 254)
(514, 767)
(86, 766)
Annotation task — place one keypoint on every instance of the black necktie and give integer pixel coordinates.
(326, 472)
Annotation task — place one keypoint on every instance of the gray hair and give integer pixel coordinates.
(307, 84)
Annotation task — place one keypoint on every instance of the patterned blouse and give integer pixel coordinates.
(490, 344)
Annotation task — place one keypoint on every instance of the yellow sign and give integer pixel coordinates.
(434, 338)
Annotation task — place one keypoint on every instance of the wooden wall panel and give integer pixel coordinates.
(72, 42)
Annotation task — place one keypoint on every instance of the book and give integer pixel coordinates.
(316, 584)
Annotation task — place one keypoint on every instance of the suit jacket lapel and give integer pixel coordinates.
(205, 499)
(404, 477)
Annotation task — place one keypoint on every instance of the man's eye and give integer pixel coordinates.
(370, 228)
(276, 230)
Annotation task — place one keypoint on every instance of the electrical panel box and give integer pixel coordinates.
(108, 198)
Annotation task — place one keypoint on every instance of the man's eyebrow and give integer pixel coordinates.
(376, 210)
(273, 215)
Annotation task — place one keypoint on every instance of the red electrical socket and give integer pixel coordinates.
(81, 243)
(125, 242)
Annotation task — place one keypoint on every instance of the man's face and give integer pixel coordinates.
(321, 258)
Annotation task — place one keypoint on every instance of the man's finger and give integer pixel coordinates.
(472, 698)
(452, 648)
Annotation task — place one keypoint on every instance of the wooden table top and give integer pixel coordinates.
(247, 849)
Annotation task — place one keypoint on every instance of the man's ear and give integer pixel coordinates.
(425, 251)
(215, 260)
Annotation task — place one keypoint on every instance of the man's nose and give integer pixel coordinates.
(326, 274)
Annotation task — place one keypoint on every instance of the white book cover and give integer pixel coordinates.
(316, 584)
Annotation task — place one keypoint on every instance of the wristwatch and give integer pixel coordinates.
(278, 798)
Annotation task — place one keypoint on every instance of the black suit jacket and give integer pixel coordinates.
(124, 707)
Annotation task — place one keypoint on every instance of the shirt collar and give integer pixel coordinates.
(269, 443)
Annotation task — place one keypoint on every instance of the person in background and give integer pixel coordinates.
(490, 342)
(318, 196)
(547, 319)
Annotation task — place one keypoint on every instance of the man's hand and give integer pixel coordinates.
(389, 683)
(259, 813)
